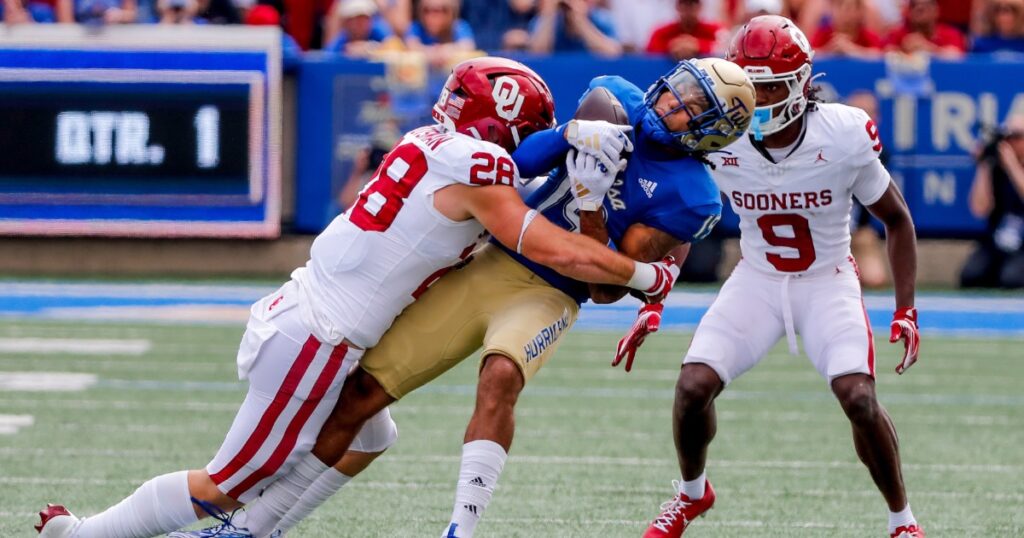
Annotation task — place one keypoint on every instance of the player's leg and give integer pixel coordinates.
(160, 505)
(694, 420)
(438, 331)
(527, 325)
(486, 443)
(360, 402)
(375, 436)
(290, 375)
(831, 318)
(737, 331)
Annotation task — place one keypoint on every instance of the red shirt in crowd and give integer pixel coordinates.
(955, 12)
(705, 32)
(944, 36)
(865, 38)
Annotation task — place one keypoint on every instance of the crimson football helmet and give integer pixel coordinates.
(495, 99)
(771, 48)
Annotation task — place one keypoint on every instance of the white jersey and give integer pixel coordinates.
(377, 257)
(795, 209)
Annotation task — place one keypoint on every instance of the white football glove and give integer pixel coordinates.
(604, 141)
(588, 179)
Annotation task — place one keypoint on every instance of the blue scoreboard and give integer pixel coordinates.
(140, 131)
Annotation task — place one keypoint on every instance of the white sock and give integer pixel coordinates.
(159, 506)
(262, 515)
(902, 518)
(482, 462)
(329, 482)
(694, 489)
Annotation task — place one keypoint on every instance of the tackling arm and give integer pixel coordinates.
(502, 212)
(640, 242)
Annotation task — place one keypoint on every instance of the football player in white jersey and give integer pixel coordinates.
(792, 180)
(425, 210)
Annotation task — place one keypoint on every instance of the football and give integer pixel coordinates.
(600, 104)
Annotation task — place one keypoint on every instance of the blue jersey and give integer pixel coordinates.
(663, 190)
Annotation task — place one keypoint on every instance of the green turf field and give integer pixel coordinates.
(593, 455)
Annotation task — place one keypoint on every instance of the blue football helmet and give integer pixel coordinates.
(719, 97)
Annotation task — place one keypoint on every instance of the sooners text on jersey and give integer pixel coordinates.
(795, 213)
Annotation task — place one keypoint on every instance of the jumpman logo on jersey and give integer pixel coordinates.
(821, 158)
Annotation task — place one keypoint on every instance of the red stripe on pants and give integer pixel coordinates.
(291, 434)
(273, 411)
(871, 339)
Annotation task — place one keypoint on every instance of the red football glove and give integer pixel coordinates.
(904, 327)
(648, 320)
(668, 272)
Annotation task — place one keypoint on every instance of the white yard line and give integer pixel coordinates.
(45, 381)
(74, 346)
(10, 424)
(224, 291)
(596, 461)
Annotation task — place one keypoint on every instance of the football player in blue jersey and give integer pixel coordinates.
(517, 311)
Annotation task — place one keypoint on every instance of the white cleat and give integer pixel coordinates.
(56, 522)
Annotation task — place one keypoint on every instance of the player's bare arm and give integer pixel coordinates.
(901, 242)
(500, 210)
(640, 242)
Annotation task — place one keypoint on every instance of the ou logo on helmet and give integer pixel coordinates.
(507, 98)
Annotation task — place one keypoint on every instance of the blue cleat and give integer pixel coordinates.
(225, 530)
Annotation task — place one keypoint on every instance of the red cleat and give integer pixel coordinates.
(677, 514)
(56, 522)
(908, 531)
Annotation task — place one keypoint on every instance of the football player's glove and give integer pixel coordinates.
(648, 320)
(667, 273)
(603, 140)
(904, 327)
(588, 180)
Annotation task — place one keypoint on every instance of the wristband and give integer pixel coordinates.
(645, 276)
(530, 215)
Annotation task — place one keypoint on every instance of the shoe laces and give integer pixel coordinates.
(226, 529)
(671, 509)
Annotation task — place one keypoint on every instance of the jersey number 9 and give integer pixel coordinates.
(801, 241)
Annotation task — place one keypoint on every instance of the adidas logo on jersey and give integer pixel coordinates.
(479, 482)
(648, 186)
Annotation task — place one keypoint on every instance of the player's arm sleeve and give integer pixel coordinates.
(631, 97)
(872, 178)
(541, 152)
(860, 130)
(871, 182)
(688, 224)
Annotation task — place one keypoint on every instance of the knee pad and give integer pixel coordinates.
(377, 435)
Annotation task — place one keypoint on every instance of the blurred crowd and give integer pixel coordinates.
(445, 30)
(411, 35)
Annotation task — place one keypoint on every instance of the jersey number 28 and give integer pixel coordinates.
(384, 196)
(800, 240)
